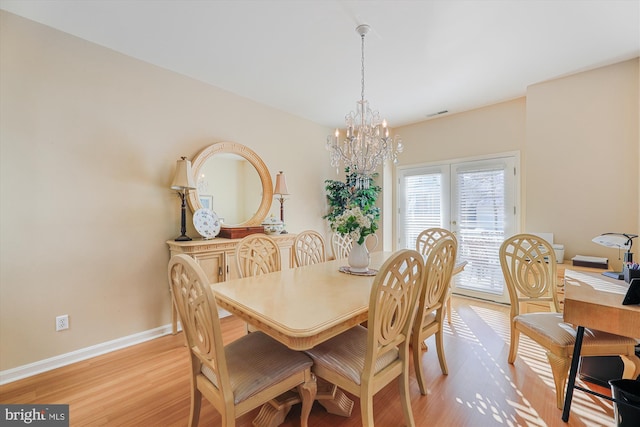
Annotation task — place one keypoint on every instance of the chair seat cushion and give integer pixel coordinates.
(551, 331)
(428, 319)
(255, 362)
(346, 352)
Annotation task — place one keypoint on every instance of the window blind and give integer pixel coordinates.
(423, 205)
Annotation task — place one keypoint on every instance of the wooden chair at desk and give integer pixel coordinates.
(529, 266)
(239, 377)
(430, 317)
(364, 360)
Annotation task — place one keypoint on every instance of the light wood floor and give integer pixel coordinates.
(148, 385)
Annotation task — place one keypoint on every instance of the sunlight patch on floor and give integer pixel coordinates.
(499, 409)
(593, 411)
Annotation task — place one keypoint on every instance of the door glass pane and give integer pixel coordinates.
(423, 206)
(481, 228)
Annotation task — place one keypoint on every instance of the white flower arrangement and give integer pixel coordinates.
(356, 224)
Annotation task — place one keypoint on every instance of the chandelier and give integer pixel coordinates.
(367, 143)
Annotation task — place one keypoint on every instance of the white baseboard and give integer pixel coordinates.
(14, 374)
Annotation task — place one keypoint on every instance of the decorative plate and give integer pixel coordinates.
(347, 269)
(207, 223)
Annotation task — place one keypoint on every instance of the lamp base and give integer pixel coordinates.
(183, 238)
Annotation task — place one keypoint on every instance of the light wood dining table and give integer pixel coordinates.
(304, 306)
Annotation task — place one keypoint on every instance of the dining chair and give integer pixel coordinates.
(257, 254)
(244, 374)
(341, 245)
(529, 267)
(364, 360)
(425, 241)
(309, 248)
(430, 317)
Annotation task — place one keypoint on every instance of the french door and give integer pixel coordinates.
(476, 200)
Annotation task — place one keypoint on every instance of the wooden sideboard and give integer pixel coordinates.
(217, 258)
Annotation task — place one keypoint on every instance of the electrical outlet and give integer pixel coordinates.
(62, 322)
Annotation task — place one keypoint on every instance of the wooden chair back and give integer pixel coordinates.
(428, 238)
(529, 267)
(392, 308)
(431, 305)
(198, 313)
(341, 245)
(257, 254)
(437, 274)
(309, 248)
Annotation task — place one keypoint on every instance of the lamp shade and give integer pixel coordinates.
(615, 240)
(183, 179)
(281, 184)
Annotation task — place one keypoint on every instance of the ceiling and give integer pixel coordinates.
(303, 57)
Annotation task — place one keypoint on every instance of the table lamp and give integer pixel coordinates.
(183, 182)
(280, 191)
(620, 241)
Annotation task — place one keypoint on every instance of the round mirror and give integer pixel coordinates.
(234, 182)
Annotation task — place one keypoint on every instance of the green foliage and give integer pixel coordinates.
(344, 195)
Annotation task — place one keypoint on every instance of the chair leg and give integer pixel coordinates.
(449, 309)
(194, 411)
(513, 345)
(440, 349)
(405, 397)
(416, 349)
(631, 366)
(307, 392)
(366, 409)
(560, 369)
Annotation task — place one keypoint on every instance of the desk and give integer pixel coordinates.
(595, 301)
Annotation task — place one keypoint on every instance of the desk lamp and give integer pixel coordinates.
(620, 241)
(183, 182)
(281, 190)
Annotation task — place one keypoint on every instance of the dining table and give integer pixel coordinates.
(304, 306)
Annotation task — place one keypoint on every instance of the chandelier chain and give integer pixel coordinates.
(362, 67)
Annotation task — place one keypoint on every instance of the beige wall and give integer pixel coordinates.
(89, 140)
(495, 129)
(579, 147)
(582, 169)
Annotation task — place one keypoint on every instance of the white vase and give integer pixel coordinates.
(359, 258)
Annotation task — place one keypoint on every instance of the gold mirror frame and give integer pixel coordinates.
(253, 158)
